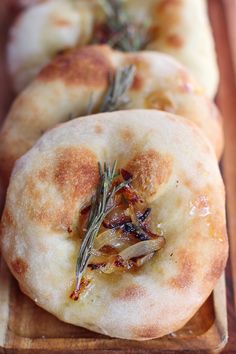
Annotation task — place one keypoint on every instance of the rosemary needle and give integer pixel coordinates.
(101, 206)
(120, 83)
(116, 96)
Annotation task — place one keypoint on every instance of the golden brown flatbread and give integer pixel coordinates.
(177, 27)
(173, 168)
(65, 87)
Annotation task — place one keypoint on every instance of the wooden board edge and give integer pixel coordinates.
(230, 15)
(5, 277)
(220, 306)
(212, 340)
(220, 15)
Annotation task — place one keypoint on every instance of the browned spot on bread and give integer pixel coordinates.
(7, 217)
(174, 40)
(76, 172)
(146, 331)
(170, 12)
(160, 100)
(217, 268)
(87, 66)
(216, 227)
(132, 292)
(73, 174)
(43, 174)
(35, 192)
(127, 134)
(186, 264)
(141, 64)
(19, 266)
(42, 208)
(61, 22)
(138, 82)
(98, 129)
(188, 183)
(150, 169)
(154, 32)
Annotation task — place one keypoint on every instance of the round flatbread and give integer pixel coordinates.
(65, 87)
(175, 171)
(55, 25)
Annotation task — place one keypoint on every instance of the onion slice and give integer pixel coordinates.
(142, 248)
(141, 260)
(109, 238)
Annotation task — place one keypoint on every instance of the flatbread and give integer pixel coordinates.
(175, 169)
(64, 89)
(178, 27)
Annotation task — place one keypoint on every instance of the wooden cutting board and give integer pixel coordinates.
(24, 327)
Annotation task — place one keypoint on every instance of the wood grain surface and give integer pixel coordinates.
(223, 17)
(227, 102)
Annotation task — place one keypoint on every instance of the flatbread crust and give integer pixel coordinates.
(179, 27)
(175, 168)
(65, 87)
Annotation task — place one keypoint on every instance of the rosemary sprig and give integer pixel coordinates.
(120, 83)
(116, 96)
(123, 34)
(101, 206)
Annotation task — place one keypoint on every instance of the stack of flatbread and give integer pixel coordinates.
(114, 214)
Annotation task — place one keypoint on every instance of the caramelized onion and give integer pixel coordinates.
(130, 195)
(96, 252)
(142, 248)
(144, 216)
(141, 260)
(116, 264)
(137, 231)
(126, 174)
(115, 223)
(109, 238)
